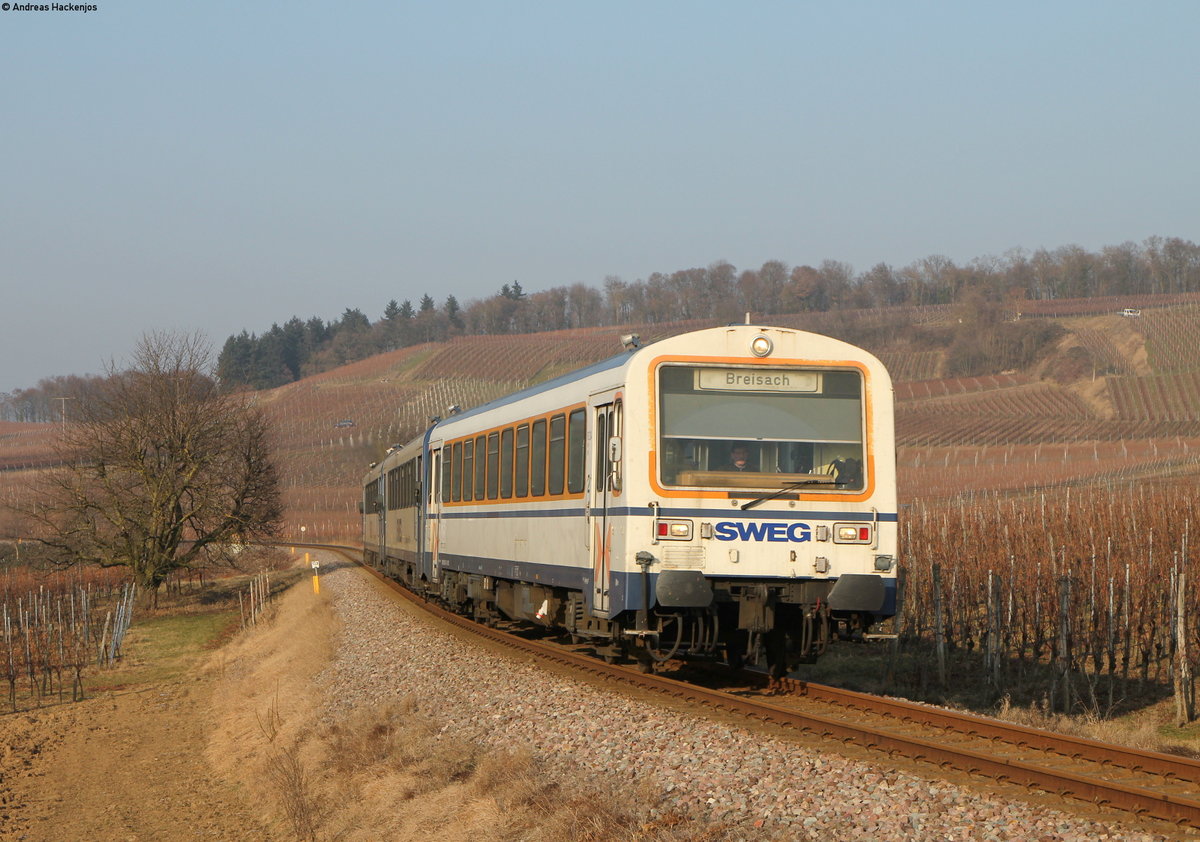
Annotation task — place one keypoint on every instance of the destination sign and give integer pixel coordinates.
(758, 380)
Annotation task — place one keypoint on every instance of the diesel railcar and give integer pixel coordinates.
(726, 492)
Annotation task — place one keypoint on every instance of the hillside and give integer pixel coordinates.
(1113, 396)
(1107, 396)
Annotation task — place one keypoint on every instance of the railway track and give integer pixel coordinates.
(1147, 784)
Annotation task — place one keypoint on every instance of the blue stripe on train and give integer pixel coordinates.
(642, 511)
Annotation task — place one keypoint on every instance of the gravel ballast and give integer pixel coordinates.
(773, 789)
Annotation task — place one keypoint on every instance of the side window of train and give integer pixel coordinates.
(558, 452)
(441, 465)
(409, 496)
(576, 450)
(537, 459)
(480, 466)
(456, 473)
(616, 431)
(506, 463)
(468, 475)
(522, 460)
(602, 464)
(493, 465)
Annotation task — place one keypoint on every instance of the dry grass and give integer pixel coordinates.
(387, 771)
(393, 750)
(296, 792)
(1145, 729)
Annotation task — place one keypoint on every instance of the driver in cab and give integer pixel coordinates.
(739, 460)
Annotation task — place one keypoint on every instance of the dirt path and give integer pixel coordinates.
(124, 766)
(195, 754)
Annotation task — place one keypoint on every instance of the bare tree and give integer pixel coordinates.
(160, 470)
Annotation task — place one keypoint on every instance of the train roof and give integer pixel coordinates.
(616, 361)
(622, 359)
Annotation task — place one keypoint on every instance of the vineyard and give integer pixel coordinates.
(1106, 357)
(929, 389)
(1046, 511)
(56, 626)
(1083, 593)
(24, 446)
(1169, 398)
(515, 358)
(909, 366)
(1066, 307)
(1173, 337)
(1022, 414)
(946, 472)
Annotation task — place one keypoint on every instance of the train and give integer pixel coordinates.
(727, 493)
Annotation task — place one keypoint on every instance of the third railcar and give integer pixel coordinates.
(730, 490)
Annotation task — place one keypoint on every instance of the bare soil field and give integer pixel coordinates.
(127, 765)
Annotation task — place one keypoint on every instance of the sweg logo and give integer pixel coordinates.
(731, 530)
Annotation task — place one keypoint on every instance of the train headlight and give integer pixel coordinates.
(851, 533)
(673, 530)
(761, 345)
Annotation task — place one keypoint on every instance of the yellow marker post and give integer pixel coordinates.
(316, 566)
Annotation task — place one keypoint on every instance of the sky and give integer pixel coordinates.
(216, 166)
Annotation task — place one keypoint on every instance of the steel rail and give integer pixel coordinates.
(1076, 748)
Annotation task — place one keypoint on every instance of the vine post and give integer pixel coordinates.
(1185, 702)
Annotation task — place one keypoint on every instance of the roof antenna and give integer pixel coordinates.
(747, 317)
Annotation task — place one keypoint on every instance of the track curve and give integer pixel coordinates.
(1148, 784)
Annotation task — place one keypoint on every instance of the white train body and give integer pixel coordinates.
(607, 502)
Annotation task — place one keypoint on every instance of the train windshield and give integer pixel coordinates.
(730, 427)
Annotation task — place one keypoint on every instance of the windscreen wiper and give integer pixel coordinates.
(791, 486)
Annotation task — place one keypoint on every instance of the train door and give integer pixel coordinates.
(604, 486)
(430, 544)
(414, 499)
(381, 514)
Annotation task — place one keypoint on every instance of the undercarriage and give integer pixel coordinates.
(776, 627)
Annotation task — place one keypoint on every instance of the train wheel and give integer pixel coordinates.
(776, 645)
(735, 649)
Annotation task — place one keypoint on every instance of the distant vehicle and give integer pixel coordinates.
(1131, 311)
(345, 422)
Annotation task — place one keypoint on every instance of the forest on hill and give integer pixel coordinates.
(965, 315)
(721, 293)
